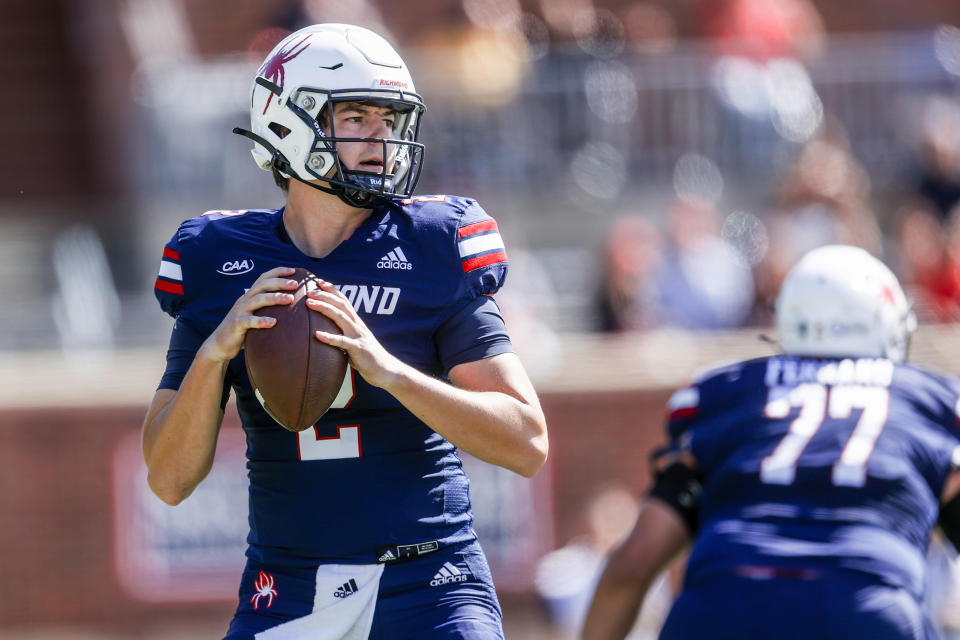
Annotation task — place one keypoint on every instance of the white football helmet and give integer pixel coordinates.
(840, 301)
(316, 67)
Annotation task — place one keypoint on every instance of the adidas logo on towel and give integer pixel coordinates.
(387, 556)
(449, 573)
(395, 260)
(348, 588)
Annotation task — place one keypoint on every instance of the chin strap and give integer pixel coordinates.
(353, 197)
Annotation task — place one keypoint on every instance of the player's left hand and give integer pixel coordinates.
(367, 356)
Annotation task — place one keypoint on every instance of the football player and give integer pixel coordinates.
(360, 526)
(808, 483)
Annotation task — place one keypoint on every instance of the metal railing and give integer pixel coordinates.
(650, 110)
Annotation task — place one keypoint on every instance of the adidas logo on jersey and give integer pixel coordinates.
(449, 573)
(348, 588)
(395, 260)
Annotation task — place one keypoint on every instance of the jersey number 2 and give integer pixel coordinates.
(346, 444)
(817, 403)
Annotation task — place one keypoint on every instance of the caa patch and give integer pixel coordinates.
(236, 267)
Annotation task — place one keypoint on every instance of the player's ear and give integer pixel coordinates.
(323, 118)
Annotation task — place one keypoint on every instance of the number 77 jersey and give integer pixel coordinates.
(817, 465)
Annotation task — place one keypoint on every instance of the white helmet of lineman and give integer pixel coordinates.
(299, 81)
(841, 301)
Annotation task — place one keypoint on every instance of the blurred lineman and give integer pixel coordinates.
(807, 482)
(360, 526)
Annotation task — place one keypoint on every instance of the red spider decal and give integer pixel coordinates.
(264, 587)
(888, 295)
(273, 69)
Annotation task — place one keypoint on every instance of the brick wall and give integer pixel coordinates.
(56, 491)
(44, 121)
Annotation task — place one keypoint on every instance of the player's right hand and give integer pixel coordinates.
(268, 290)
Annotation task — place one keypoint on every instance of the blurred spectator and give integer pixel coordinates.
(929, 262)
(759, 74)
(702, 282)
(688, 278)
(823, 200)
(650, 28)
(937, 177)
(763, 29)
(827, 180)
(631, 253)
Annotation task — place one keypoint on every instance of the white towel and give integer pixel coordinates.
(342, 607)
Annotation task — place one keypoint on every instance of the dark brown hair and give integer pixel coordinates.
(282, 182)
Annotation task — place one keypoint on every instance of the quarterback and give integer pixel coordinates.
(361, 526)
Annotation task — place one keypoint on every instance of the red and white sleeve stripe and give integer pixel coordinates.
(480, 245)
(170, 277)
(684, 403)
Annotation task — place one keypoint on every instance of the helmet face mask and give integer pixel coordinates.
(324, 163)
(317, 68)
(839, 301)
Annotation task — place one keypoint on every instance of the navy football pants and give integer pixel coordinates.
(445, 594)
(839, 607)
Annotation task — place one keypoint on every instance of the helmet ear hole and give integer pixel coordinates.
(281, 131)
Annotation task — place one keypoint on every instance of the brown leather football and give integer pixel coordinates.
(295, 376)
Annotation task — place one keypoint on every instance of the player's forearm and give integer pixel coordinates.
(489, 425)
(658, 536)
(615, 606)
(179, 438)
(620, 591)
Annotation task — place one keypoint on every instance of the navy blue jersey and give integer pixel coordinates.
(420, 273)
(813, 466)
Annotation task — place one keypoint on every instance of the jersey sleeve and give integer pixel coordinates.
(482, 255)
(677, 480)
(176, 294)
(169, 286)
(682, 409)
(475, 332)
(184, 343)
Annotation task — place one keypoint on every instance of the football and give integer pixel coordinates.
(295, 376)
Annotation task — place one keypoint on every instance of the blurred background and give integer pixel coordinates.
(655, 167)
